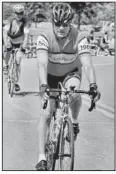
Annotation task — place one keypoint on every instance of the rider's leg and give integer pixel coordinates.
(76, 100)
(7, 53)
(75, 103)
(19, 57)
(43, 125)
(41, 132)
(7, 57)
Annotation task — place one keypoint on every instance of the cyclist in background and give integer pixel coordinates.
(62, 50)
(111, 38)
(93, 42)
(107, 41)
(4, 23)
(16, 35)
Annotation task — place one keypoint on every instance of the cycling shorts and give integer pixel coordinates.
(15, 45)
(53, 80)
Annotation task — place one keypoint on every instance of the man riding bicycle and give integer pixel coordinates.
(62, 50)
(16, 35)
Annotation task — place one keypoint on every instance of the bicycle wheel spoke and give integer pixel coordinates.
(66, 164)
(66, 156)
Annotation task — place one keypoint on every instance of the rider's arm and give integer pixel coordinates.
(105, 38)
(5, 34)
(85, 58)
(42, 59)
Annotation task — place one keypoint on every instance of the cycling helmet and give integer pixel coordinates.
(62, 13)
(18, 8)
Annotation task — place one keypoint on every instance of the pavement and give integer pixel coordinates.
(94, 147)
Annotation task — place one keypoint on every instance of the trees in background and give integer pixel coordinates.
(85, 12)
(93, 12)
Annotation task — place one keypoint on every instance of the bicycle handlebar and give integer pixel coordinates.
(92, 106)
(11, 49)
(68, 92)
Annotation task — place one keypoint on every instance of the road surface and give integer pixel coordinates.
(94, 148)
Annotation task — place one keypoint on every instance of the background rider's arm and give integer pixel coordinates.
(106, 38)
(42, 59)
(86, 61)
(26, 34)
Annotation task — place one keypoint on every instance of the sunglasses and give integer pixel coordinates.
(58, 24)
(19, 13)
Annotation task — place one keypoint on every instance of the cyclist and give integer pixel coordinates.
(107, 42)
(16, 35)
(111, 38)
(62, 50)
(3, 25)
(93, 42)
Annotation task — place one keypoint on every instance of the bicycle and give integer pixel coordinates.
(60, 133)
(11, 77)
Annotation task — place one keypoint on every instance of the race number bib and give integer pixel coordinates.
(83, 46)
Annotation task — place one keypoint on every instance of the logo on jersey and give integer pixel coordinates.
(40, 43)
(62, 58)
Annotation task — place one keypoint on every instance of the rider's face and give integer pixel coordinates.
(61, 30)
(19, 16)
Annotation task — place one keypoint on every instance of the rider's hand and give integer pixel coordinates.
(23, 49)
(44, 89)
(95, 94)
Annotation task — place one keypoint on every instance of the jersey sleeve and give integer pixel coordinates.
(83, 46)
(42, 43)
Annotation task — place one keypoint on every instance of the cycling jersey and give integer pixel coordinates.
(63, 58)
(16, 31)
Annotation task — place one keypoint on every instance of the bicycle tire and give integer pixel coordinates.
(9, 77)
(9, 87)
(12, 89)
(12, 81)
(50, 147)
(63, 142)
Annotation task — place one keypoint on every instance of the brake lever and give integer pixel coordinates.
(46, 101)
(45, 104)
(93, 105)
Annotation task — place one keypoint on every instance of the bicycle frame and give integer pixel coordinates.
(62, 101)
(57, 134)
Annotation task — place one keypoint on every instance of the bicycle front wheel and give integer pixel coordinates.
(66, 146)
(12, 85)
(12, 82)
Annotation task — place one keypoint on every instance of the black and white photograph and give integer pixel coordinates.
(58, 85)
